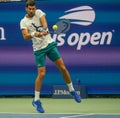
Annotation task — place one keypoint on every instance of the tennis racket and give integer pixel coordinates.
(63, 26)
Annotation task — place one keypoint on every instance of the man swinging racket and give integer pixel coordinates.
(34, 27)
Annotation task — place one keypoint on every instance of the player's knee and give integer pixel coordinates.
(63, 68)
(41, 74)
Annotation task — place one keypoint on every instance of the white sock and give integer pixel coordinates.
(37, 95)
(70, 87)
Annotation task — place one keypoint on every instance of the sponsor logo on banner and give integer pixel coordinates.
(82, 16)
(61, 91)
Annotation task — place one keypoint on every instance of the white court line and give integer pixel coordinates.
(44, 113)
(71, 115)
(75, 116)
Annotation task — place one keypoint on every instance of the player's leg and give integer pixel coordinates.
(40, 61)
(56, 58)
(66, 76)
(38, 83)
(39, 79)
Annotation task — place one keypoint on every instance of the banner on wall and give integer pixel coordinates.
(93, 27)
(92, 42)
(82, 16)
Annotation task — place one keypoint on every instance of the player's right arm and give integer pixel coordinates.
(28, 36)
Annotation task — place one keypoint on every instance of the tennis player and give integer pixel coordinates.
(34, 27)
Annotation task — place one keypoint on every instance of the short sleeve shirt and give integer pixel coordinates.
(33, 24)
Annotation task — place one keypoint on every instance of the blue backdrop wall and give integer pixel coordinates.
(91, 48)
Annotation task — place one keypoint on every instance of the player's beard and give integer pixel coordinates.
(31, 14)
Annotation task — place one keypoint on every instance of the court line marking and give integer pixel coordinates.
(39, 113)
(60, 113)
(75, 116)
(82, 115)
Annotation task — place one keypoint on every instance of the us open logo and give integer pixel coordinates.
(83, 15)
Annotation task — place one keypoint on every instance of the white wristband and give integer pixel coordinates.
(45, 29)
(33, 34)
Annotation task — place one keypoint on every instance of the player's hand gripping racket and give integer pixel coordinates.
(62, 26)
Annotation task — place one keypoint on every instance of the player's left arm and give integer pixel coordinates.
(44, 24)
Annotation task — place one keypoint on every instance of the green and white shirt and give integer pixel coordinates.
(33, 24)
